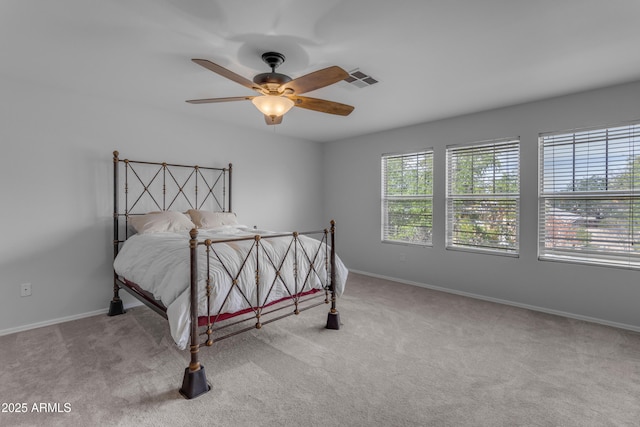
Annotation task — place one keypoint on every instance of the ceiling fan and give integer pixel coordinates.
(278, 92)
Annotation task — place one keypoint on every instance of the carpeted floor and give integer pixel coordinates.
(405, 356)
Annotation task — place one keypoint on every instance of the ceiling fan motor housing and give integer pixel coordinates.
(273, 60)
(275, 78)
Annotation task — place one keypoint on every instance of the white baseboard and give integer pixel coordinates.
(633, 328)
(62, 320)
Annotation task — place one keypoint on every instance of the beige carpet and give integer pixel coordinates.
(405, 356)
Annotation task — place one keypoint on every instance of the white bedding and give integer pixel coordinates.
(159, 263)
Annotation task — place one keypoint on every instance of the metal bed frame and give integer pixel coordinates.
(211, 187)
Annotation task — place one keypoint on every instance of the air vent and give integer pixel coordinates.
(360, 79)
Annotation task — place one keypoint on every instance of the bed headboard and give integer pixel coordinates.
(140, 187)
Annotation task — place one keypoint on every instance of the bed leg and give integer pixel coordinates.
(333, 320)
(194, 383)
(116, 307)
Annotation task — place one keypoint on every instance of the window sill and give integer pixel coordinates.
(484, 251)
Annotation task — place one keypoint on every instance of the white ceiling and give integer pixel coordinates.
(433, 59)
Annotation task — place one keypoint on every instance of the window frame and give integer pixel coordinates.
(385, 198)
(453, 198)
(599, 257)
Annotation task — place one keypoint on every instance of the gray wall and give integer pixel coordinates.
(352, 198)
(56, 189)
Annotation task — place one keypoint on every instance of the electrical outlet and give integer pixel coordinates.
(25, 290)
(403, 257)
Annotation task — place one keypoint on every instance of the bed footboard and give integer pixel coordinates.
(194, 381)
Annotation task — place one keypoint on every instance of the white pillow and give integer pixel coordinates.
(207, 219)
(156, 222)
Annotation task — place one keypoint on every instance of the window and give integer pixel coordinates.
(407, 197)
(483, 196)
(590, 196)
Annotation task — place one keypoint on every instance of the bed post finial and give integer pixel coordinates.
(333, 318)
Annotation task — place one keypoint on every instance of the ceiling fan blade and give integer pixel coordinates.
(228, 74)
(273, 120)
(213, 100)
(316, 80)
(322, 105)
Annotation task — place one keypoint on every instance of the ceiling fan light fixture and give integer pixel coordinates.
(272, 105)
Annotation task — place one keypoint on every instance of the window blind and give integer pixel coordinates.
(407, 197)
(589, 204)
(483, 196)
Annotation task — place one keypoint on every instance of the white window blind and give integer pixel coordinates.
(590, 196)
(407, 197)
(483, 196)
